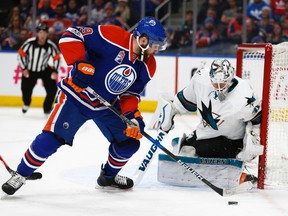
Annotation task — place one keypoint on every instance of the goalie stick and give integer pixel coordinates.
(33, 176)
(221, 191)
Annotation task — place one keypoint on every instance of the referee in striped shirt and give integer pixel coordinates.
(33, 57)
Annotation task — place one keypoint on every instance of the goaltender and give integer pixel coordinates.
(230, 114)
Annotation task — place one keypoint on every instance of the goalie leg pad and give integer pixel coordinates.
(219, 171)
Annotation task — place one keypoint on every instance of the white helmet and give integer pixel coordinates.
(221, 75)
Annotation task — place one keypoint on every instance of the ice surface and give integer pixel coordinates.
(68, 184)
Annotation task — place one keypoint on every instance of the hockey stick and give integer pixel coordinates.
(147, 160)
(221, 191)
(33, 176)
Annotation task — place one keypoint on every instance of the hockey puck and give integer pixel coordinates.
(232, 203)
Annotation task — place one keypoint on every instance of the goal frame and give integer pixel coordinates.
(268, 49)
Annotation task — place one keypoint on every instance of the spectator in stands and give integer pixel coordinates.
(52, 35)
(23, 36)
(212, 5)
(177, 39)
(126, 13)
(183, 37)
(234, 29)
(208, 35)
(265, 25)
(227, 15)
(278, 10)
(14, 12)
(254, 9)
(72, 12)
(60, 22)
(187, 24)
(253, 34)
(53, 3)
(110, 18)
(83, 19)
(172, 43)
(12, 32)
(97, 13)
(29, 25)
(46, 9)
(212, 13)
(230, 12)
(24, 9)
(277, 34)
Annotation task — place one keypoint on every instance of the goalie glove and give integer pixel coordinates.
(166, 117)
(163, 116)
(252, 146)
(134, 130)
(81, 74)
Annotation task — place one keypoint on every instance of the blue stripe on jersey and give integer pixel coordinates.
(257, 119)
(185, 103)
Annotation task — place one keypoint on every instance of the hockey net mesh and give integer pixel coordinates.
(275, 162)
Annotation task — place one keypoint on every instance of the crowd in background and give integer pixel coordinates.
(217, 20)
(222, 21)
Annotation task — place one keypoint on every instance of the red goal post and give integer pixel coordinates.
(267, 65)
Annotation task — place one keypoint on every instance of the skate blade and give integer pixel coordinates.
(111, 189)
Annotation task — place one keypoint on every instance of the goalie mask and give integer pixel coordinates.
(221, 75)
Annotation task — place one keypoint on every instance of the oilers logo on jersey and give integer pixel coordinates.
(120, 78)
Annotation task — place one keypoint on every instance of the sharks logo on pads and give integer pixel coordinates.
(120, 78)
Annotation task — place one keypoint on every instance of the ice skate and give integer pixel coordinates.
(25, 109)
(13, 184)
(118, 181)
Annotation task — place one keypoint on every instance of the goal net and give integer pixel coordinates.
(266, 68)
